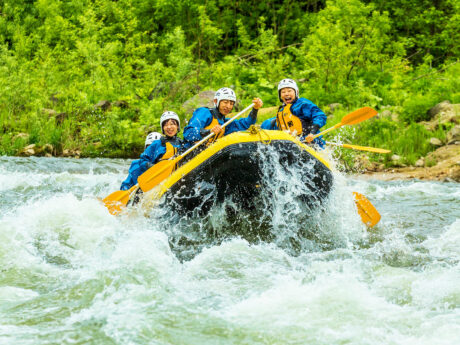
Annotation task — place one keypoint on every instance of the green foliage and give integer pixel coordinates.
(348, 51)
(67, 55)
(411, 142)
(430, 162)
(9, 146)
(416, 107)
(425, 27)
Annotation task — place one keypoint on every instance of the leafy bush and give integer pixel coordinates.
(69, 55)
(415, 108)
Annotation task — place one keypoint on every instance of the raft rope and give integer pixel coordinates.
(255, 129)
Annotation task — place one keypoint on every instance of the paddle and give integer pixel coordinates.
(117, 200)
(368, 213)
(360, 148)
(149, 179)
(353, 118)
(163, 169)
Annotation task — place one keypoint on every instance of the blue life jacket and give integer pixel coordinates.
(163, 148)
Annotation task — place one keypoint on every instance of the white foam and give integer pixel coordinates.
(447, 243)
(12, 295)
(62, 227)
(118, 274)
(438, 288)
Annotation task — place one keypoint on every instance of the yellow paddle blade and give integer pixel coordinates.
(116, 201)
(156, 174)
(358, 116)
(353, 118)
(368, 213)
(160, 171)
(365, 148)
(360, 148)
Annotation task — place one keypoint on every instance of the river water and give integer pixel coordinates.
(70, 273)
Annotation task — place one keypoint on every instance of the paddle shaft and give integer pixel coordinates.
(155, 175)
(210, 135)
(117, 199)
(360, 148)
(327, 130)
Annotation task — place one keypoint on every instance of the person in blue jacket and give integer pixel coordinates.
(206, 120)
(163, 148)
(151, 137)
(299, 116)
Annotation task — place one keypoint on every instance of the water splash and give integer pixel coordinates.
(289, 211)
(72, 273)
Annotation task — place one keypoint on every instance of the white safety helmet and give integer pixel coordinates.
(224, 93)
(151, 137)
(168, 115)
(288, 83)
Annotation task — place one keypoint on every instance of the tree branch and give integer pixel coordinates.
(436, 71)
(356, 60)
(252, 56)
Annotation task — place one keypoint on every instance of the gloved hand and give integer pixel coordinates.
(204, 132)
(253, 113)
(314, 128)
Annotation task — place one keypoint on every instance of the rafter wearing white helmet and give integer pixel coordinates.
(224, 93)
(169, 115)
(288, 83)
(163, 149)
(206, 120)
(151, 137)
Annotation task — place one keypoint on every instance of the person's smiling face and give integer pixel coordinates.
(226, 106)
(287, 95)
(170, 127)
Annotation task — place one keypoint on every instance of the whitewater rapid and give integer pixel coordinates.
(72, 273)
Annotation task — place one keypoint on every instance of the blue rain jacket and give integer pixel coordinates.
(149, 157)
(202, 117)
(308, 113)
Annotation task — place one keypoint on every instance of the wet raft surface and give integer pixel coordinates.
(235, 192)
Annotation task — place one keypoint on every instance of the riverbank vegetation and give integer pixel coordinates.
(92, 77)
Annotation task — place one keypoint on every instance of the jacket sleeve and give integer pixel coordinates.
(201, 118)
(314, 113)
(135, 170)
(148, 158)
(269, 124)
(242, 124)
(130, 181)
